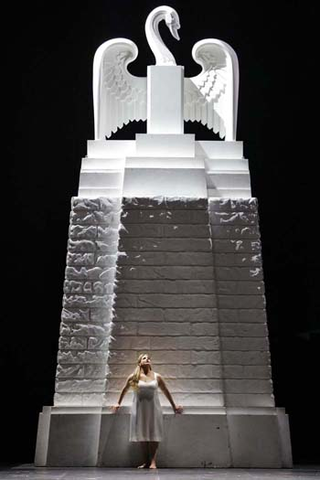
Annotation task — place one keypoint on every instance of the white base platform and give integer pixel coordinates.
(164, 165)
(214, 438)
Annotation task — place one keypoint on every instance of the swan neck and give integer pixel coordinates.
(161, 53)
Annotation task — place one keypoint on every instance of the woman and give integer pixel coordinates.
(146, 422)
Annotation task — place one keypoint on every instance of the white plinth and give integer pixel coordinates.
(165, 145)
(252, 438)
(185, 167)
(153, 182)
(165, 112)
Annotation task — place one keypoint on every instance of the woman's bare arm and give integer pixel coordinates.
(164, 388)
(122, 394)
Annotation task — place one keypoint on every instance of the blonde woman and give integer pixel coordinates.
(146, 422)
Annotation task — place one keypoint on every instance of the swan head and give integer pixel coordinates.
(172, 22)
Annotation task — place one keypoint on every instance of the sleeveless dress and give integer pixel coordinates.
(146, 421)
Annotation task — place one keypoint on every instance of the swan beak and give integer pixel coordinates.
(174, 31)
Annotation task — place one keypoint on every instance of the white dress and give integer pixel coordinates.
(146, 421)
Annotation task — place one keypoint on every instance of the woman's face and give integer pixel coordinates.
(145, 360)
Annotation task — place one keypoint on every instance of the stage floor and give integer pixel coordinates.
(29, 472)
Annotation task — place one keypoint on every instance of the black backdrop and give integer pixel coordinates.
(48, 117)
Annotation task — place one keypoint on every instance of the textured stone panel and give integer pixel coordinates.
(81, 246)
(98, 343)
(239, 273)
(166, 258)
(101, 315)
(132, 203)
(210, 357)
(106, 261)
(95, 371)
(124, 328)
(121, 357)
(244, 330)
(247, 371)
(73, 371)
(237, 259)
(167, 314)
(80, 232)
(155, 272)
(107, 233)
(165, 286)
(183, 279)
(184, 343)
(80, 357)
(255, 357)
(165, 244)
(242, 301)
(79, 386)
(165, 300)
(163, 328)
(248, 386)
(249, 400)
(233, 218)
(80, 259)
(97, 217)
(72, 343)
(192, 314)
(91, 399)
(240, 288)
(165, 231)
(131, 343)
(249, 315)
(165, 216)
(203, 328)
(75, 315)
(235, 232)
(245, 343)
(85, 329)
(236, 246)
(92, 301)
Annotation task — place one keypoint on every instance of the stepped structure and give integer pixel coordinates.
(164, 257)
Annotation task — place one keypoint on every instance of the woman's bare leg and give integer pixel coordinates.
(153, 447)
(145, 451)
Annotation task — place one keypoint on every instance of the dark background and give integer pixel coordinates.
(48, 117)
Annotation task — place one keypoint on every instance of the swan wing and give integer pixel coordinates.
(212, 96)
(118, 96)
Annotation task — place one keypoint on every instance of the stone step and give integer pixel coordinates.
(173, 216)
(162, 202)
(162, 300)
(170, 315)
(177, 343)
(179, 258)
(166, 286)
(155, 230)
(172, 272)
(166, 244)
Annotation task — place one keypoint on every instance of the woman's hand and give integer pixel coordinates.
(178, 409)
(115, 408)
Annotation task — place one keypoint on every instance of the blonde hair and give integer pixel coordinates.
(136, 374)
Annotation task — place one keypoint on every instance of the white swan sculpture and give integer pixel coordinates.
(210, 97)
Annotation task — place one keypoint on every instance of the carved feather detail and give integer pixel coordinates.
(119, 97)
(212, 96)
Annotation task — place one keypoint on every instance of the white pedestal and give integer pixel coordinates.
(165, 99)
(242, 438)
(185, 168)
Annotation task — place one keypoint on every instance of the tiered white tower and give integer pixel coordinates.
(164, 256)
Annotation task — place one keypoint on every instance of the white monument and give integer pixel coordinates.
(164, 256)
